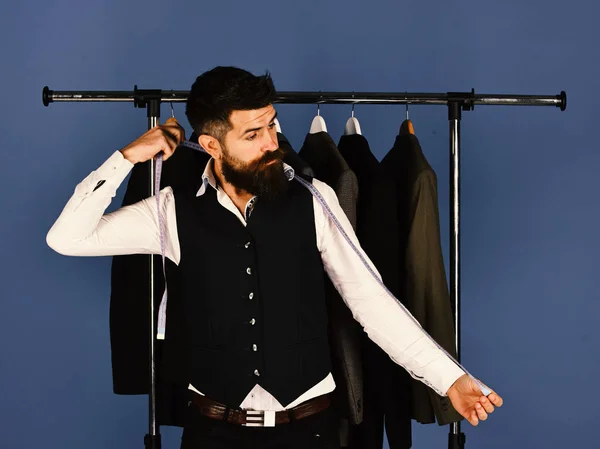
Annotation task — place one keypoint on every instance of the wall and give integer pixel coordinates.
(529, 188)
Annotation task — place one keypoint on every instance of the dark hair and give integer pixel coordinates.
(217, 93)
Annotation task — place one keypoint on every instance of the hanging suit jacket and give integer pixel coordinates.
(387, 394)
(321, 153)
(423, 284)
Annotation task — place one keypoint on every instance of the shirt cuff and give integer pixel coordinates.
(442, 373)
(115, 167)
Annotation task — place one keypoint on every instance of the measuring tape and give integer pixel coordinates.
(162, 312)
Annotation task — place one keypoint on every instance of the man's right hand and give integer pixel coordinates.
(163, 138)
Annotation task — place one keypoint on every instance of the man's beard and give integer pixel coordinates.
(256, 178)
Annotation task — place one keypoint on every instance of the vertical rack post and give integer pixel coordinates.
(151, 99)
(456, 438)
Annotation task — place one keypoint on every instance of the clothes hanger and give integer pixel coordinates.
(172, 118)
(318, 124)
(278, 126)
(407, 126)
(352, 126)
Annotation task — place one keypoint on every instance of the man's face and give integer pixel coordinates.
(250, 156)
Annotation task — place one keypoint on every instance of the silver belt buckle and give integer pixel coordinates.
(260, 418)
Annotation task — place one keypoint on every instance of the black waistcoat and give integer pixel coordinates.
(247, 304)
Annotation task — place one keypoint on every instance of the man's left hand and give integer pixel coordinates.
(469, 401)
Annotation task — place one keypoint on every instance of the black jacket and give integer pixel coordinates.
(387, 395)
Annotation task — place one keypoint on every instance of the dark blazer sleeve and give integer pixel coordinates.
(346, 189)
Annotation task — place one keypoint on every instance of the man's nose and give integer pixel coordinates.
(271, 143)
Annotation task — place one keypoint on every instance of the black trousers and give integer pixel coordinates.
(318, 431)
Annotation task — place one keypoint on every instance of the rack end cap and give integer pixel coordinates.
(563, 100)
(46, 96)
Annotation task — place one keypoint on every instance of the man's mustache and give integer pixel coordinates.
(274, 155)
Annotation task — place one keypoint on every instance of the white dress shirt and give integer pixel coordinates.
(83, 229)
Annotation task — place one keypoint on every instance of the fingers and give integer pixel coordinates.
(496, 399)
(493, 397)
(173, 134)
(483, 408)
(473, 420)
(173, 125)
(481, 413)
(175, 130)
(487, 404)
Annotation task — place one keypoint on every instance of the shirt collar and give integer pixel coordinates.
(208, 177)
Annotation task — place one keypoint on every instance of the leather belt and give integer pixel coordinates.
(252, 418)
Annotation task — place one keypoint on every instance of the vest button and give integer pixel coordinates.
(253, 321)
(256, 372)
(248, 270)
(251, 295)
(247, 245)
(254, 348)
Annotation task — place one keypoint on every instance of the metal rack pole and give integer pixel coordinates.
(152, 440)
(442, 99)
(456, 439)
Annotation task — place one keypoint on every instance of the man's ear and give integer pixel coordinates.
(210, 144)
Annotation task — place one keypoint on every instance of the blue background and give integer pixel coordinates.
(529, 186)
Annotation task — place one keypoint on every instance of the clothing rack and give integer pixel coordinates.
(456, 102)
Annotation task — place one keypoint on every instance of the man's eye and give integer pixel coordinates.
(251, 137)
(272, 125)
